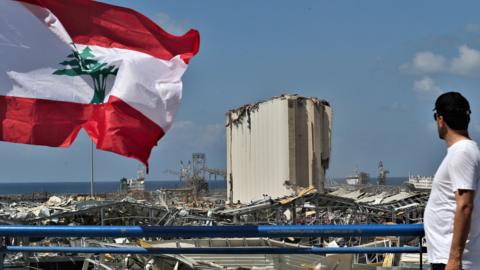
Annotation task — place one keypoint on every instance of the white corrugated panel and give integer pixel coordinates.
(235, 261)
(269, 143)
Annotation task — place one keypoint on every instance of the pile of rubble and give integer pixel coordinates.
(342, 205)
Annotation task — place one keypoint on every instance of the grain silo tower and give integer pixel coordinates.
(276, 146)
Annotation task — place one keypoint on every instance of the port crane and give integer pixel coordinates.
(382, 174)
(193, 174)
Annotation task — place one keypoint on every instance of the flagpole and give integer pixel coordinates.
(91, 179)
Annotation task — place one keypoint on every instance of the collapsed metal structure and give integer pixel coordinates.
(343, 205)
(370, 204)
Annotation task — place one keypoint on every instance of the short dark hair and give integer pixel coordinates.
(455, 110)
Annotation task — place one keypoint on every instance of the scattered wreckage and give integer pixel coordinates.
(342, 205)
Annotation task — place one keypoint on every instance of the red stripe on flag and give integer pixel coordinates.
(41, 122)
(94, 23)
(117, 127)
(114, 126)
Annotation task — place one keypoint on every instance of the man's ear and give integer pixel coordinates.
(441, 121)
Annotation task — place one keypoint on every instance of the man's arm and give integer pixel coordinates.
(461, 226)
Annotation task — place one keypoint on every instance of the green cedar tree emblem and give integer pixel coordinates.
(84, 63)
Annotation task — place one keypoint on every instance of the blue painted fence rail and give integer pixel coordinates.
(272, 231)
(222, 250)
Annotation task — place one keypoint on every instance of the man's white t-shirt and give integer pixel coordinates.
(460, 169)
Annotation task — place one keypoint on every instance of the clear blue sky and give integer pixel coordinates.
(380, 64)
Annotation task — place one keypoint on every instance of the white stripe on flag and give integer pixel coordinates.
(150, 85)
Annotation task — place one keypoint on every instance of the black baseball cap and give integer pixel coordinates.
(455, 109)
(452, 103)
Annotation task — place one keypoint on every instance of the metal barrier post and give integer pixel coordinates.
(2, 257)
(421, 253)
(3, 248)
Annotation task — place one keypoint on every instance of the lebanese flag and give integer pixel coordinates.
(67, 65)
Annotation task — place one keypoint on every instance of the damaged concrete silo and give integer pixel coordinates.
(276, 146)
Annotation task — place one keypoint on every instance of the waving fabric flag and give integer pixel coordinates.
(67, 65)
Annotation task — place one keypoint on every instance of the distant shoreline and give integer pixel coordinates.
(147, 180)
(18, 188)
(83, 187)
(88, 181)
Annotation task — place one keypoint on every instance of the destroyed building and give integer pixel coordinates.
(276, 146)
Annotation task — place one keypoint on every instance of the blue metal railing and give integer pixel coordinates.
(270, 231)
(230, 250)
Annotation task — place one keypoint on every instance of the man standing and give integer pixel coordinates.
(454, 202)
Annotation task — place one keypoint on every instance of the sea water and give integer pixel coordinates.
(114, 186)
(84, 187)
